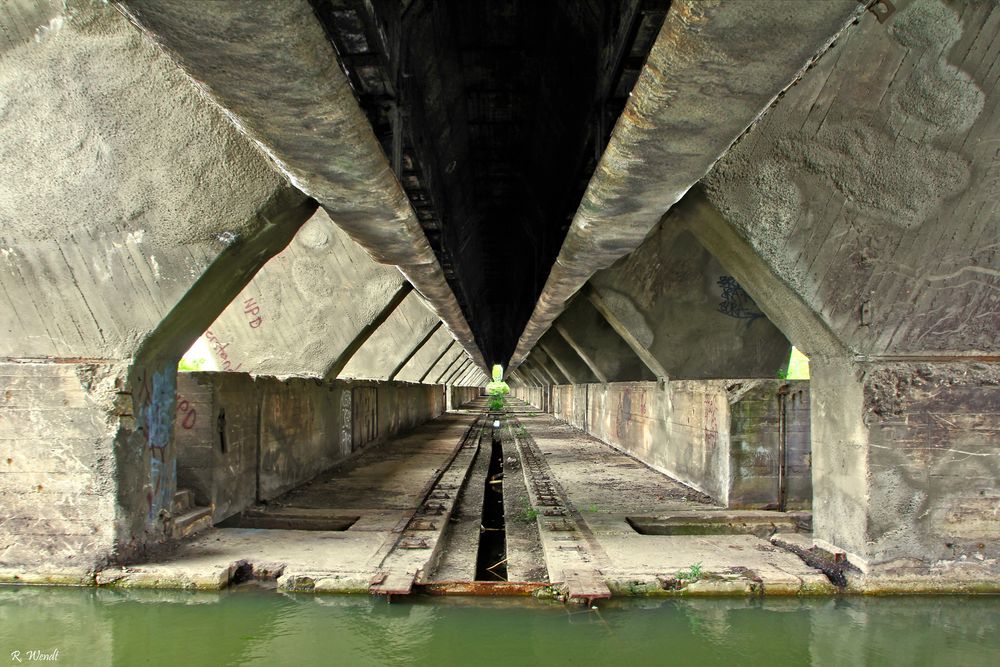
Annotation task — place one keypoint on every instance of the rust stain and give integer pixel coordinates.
(484, 588)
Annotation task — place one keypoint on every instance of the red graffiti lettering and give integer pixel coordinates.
(220, 350)
(190, 415)
(251, 308)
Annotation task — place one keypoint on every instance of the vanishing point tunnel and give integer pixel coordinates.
(739, 263)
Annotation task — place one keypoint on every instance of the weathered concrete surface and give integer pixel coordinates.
(691, 315)
(280, 323)
(770, 449)
(602, 487)
(120, 239)
(387, 347)
(242, 440)
(382, 486)
(871, 193)
(867, 202)
(705, 81)
(59, 514)
(569, 361)
(593, 338)
(679, 428)
(721, 437)
(426, 357)
(276, 74)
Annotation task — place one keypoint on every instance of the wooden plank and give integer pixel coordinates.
(585, 585)
(393, 583)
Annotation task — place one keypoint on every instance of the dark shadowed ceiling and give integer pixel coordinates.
(493, 114)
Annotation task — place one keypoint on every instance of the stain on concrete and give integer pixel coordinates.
(126, 139)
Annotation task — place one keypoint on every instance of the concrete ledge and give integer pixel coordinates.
(55, 578)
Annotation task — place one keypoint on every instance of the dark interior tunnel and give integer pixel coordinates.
(494, 115)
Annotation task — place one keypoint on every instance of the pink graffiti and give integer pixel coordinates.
(251, 308)
(220, 349)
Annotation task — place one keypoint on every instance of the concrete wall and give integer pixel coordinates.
(705, 433)
(679, 428)
(241, 439)
(58, 504)
(459, 396)
(758, 420)
(933, 458)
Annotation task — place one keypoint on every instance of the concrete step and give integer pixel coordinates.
(195, 520)
(183, 501)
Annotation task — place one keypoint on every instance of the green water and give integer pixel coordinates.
(104, 627)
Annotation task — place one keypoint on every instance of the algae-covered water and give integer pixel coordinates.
(253, 627)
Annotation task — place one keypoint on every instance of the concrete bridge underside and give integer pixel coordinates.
(245, 244)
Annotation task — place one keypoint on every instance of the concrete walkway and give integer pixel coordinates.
(408, 513)
(603, 487)
(383, 486)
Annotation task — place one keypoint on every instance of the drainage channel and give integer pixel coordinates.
(491, 558)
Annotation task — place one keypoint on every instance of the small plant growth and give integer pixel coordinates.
(497, 389)
(693, 573)
(529, 513)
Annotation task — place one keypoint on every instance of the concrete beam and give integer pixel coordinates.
(542, 357)
(595, 338)
(570, 377)
(654, 157)
(569, 361)
(626, 333)
(682, 305)
(541, 380)
(269, 67)
(465, 377)
(117, 245)
(425, 356)
(416, 348)
(546, 370)
(378, 356)
(367, 331)
(457, 372)
(437, 359)
(587, 359)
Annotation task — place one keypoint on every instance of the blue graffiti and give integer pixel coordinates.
(159, 412)
(736, 302)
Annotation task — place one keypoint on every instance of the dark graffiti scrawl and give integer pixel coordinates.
(736, 302)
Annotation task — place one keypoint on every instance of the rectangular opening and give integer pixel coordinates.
(289, 522)
(761, 525)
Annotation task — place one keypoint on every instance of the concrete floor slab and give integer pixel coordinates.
(604, 486)
(384, 486)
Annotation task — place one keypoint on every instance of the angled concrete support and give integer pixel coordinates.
(457, 372)
(438, 358)
(598, 341)
(383, 314)
(570, 377)
(623, 330)
(587, 359)
(553, 368)
(269, 67)
(457, 362)
(542, 364)
(569, 362)
(416, 348)
(465, 377)
(653, 157)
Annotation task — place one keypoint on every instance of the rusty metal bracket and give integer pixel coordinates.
(414, 543)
